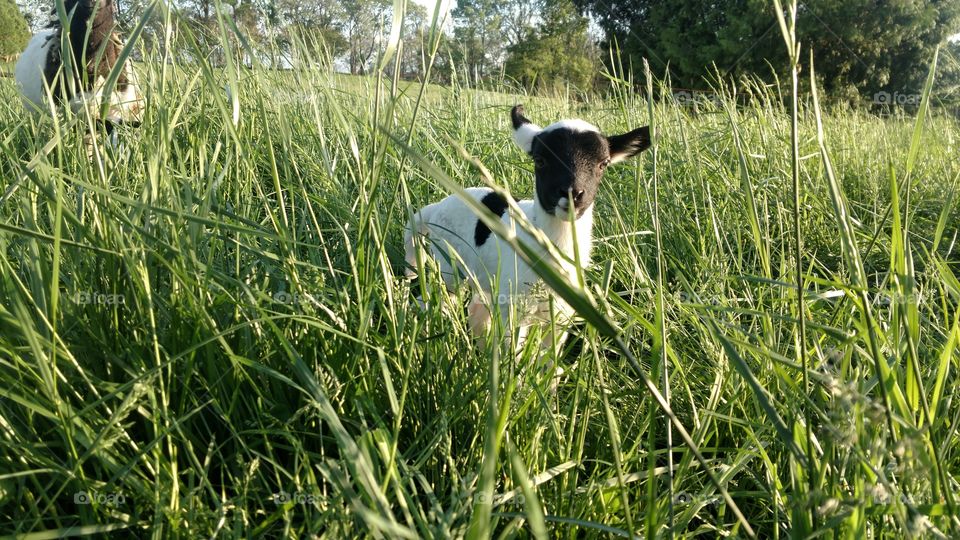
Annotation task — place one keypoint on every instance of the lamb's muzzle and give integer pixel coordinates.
(569, 159)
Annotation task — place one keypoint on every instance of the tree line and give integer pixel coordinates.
(537, 42)
(860, 47)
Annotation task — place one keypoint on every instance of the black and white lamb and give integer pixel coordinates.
(569, 159)
(94, 51)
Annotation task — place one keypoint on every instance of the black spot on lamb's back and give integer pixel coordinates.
(498, 205)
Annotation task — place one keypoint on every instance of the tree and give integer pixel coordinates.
(312, 29)
(561, 52)
(250, 18)
(478, 35)
(444, 65)
(859, 46)
(519, 19)
(947, 85)
(14, 33)
(415, 36)
(365, 25)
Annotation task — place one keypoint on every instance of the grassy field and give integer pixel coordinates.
(206, 332)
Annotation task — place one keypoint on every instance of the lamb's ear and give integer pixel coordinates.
(629, 144)
(523, 129)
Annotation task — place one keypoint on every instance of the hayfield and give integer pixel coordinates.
(206, 331)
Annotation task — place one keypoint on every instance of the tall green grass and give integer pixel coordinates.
(205, 331)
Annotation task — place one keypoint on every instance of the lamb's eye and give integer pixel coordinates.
(539, 162)
(604, 163)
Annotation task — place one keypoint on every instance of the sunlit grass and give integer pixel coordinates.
(207, 331)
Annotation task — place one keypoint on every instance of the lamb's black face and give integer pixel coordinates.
(568, 165)
(569, 159)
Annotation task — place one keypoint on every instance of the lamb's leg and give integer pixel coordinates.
(411, 235)
(479, 316)
(480, 313)
(555, 318)
(515, 338)
(412, 240)
(549, 352)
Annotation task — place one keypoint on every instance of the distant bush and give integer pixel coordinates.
(14, 32)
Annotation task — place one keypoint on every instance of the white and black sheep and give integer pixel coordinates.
(94, 50)
(569, 158)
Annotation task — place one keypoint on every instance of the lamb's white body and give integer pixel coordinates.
(504, 279)
(29, 69)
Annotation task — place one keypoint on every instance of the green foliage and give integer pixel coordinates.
(14, 32)
(948, 80)
(364, 21)
(415, 36)
(477, 37)
(559, 53)
(859, 46)
(207, 331)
